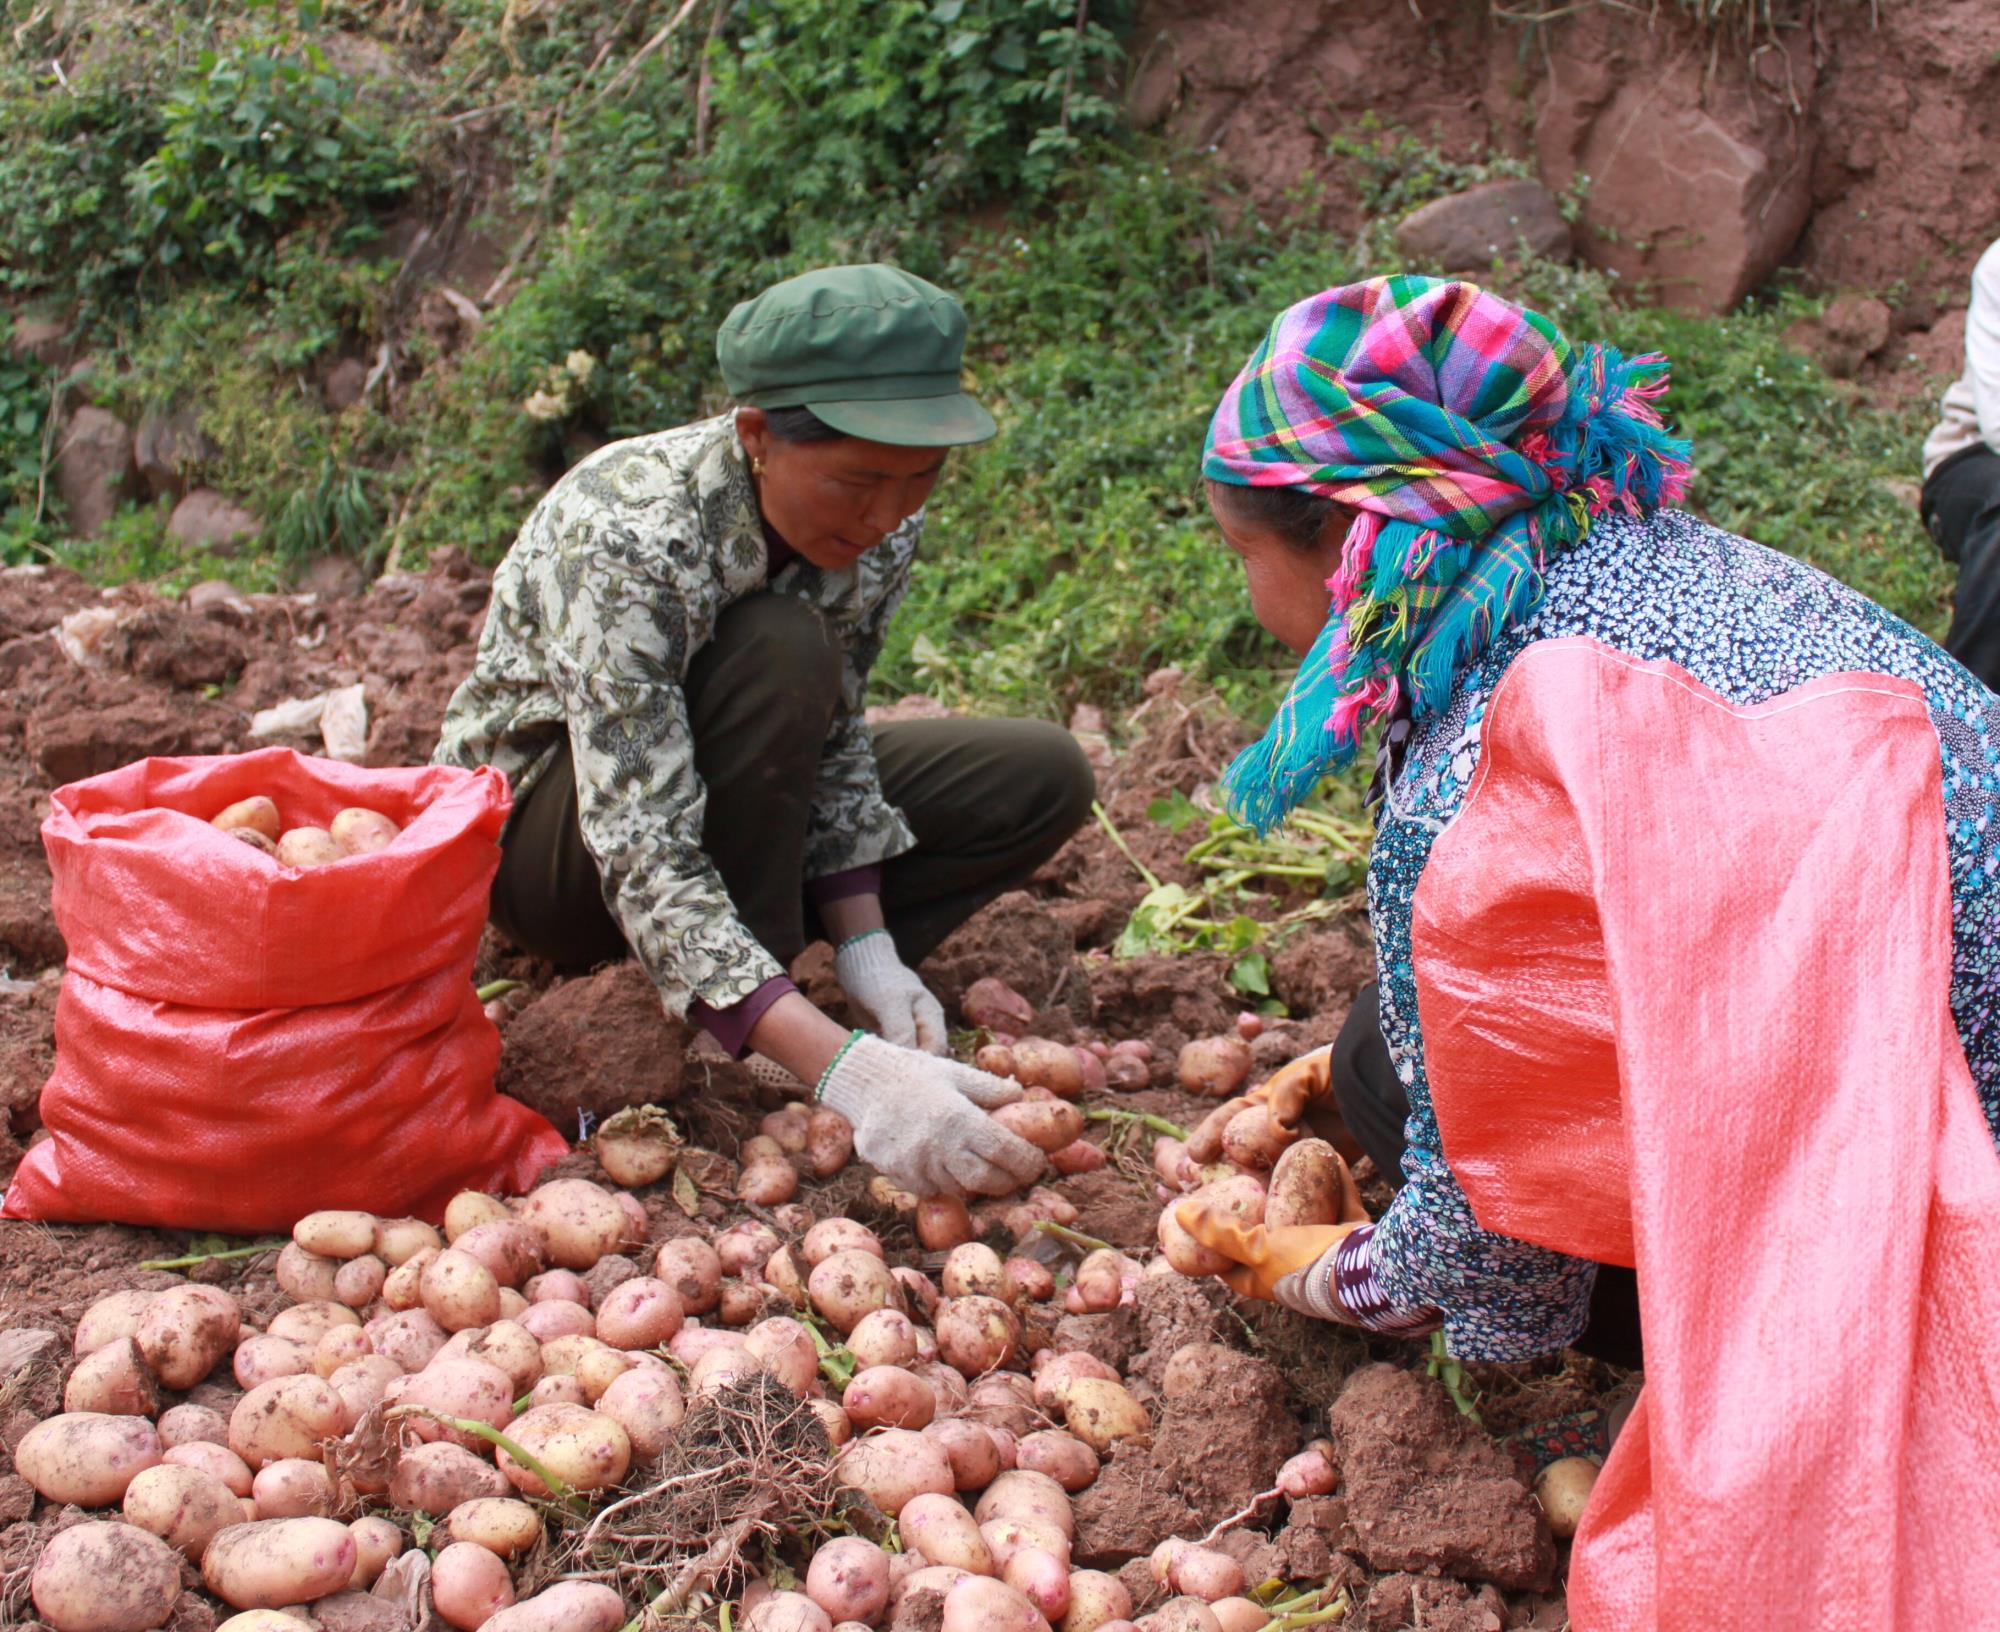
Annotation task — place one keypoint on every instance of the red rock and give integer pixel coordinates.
(93, 468)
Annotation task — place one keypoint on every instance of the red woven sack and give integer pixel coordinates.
(239, 1043)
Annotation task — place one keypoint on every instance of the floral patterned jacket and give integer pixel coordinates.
(615, 582)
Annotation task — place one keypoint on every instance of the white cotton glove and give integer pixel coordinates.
(870, 972)
(922, 1121)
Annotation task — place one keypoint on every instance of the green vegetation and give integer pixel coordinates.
(225, 199)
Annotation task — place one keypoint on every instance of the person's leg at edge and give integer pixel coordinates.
(1961, 508)
(760, 699)
(989, 802)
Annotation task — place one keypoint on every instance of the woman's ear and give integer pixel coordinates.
(754, 431)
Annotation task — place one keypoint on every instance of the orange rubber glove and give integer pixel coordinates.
(1276, 1264)
(1286, 1092)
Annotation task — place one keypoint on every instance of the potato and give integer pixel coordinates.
(257, 814)
(849, 1579)
(292, 1489)
(560, 1355)
(1203, 1573)
(111, 1317)
(183, 1424)
(1040, 1577)
(336, 1234)
(585, 1449)
(376, 1541)
(785, 1349)
(409, 1338)
(1009, 1537)
(1169, 1157)
(291, 1416)
(639, 1314)
(1216, 1066)
(744, 1248)
(1310, 1473)
(718, 1367)
(503, 1525)
(768, 1183)
(647, 1404)
(112, 1381)
(597, 1369)
(785, 1612)
(978, 1604)
(434, 1479)
(1078, 1156)
(1183, 1251)
(184, 1332)
(893, 1465)
(338, 1346)
(1101, 1280)
(889, 1397)
(1240, 1614)
(305, 1323)
(184, 1507)
(829, 1143)
(1052, 1379)
(946, 1382)
(558, 1286)
(1305, 1186)
(264, 1358)
(557, 1317)
(266, 1620)
(306, 1275)
(457, 1387)
(637, 1146)
(1047, 1124)
(86, 1457)
(508, 1345)
(850, 1285)
(940, 1528)
(1127, 1074)
(255, 840)
(219, 1462)
(692, 1268)
(1025, 1278)
(920, 1295)
(568, 1606)
(273, 1562)
(563, 1390)
(459, 1291)
(1095, 1599)
(884, 1338)
(833, 1421)
(469, 1209)
(990, 1004)
(831, 1235)
(1039, 1063)
(1563, 1488)
(402, 1287)
(105, 1578)
(360, 832)
(580, 1221)
(969, 1447)
(943, 1223)
(397, 1240)
(512, 1250)
(937, 1578)
(995, 1059)
(1101, 1413)
(1205, 1143)
(469, 1586)
(976, 1334)
(1063, 1457)
(1250, 1141)
(974, 1270)
(1028, 1498)
(308, 847)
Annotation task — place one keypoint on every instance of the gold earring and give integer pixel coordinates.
(756, 467)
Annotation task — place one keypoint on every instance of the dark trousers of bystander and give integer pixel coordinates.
(988, 800)
(1961, 508)
(1375, 1108)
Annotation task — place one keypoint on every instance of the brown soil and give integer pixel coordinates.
(1019, 941)
(595, 1044)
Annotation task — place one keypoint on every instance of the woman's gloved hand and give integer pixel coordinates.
(873, 975)
(922, 1121)
(1287, 1092)
(1291, 1265)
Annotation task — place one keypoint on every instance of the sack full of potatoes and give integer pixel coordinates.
(249, 1030)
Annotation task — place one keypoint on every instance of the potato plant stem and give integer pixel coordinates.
(1144, 1119)
(1075, 1238)
(1124, 849)
(835, 1364)
(1318, 1617)
(558, 1488)
(496, 988)
(193, 1259)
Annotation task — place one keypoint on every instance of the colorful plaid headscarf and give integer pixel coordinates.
(1474, 441)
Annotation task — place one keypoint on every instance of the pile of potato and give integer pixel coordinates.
(353, 832)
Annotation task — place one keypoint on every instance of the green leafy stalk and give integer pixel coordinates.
(1452, 1374)
(1144, 1119)
(836, 1364)
(496, 988)
(1075, 1238)
(1104, 821)
(196, 1258)
(558, 1488)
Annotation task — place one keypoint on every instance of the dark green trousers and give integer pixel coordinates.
(988, 800)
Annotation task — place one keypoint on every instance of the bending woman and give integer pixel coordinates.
(673, 675)
(1685, 893)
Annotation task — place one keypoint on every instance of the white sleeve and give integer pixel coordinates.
(1982, 345)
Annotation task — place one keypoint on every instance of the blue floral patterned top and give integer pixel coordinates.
(1750, 624)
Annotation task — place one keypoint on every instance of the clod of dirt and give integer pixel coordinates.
(597, 1043)
(1174, 1312)
(1320, 969)
(1113, 1207)
(1016, 940)
(921, 1611)
(1211, 1451)
(612, 1270)
(1306, 1548)
(27, 1054)
(1402, 1600)
(86, 724)
(1167, 1001)
(29, 939)
(17, 1499)
(193, 1613)
(1111, 1337)
(1426, 1490)
(359, 1612)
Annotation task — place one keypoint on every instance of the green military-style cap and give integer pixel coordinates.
(871, 350)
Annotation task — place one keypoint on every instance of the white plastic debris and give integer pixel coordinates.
(343, 727)
(294, 717)
(82, 635)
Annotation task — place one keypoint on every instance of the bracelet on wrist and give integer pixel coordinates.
(858, 937)
(833, 1064)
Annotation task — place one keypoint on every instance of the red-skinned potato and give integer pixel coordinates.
(581, 1222)
(946, 1382)
(219, 1462)
(831, 1235)
(979, 1604)
(358, 1282)
(941, 1529)
(1078, 1156)
(551, 1318)
(1040, 1577)
(410, 1338)
(557, 1286)
(292, 1489)
(920, 1295)
(1025, 1278)
(1004, 1400)
(943, 1223)
(1007, 1537)
(469, 1586)
(273, 1562)
(637, 1146)
(402, 1287)
(970, 1448)
(1101, 1413)
(306, 1323)
(1216, 1066)
(434, 1479)
(1240, 1614)
(1203, 1573)
(647, 1404)
(1181, 1615)
(361, 832)
(1126, 1073)
(1053, 1379)
(1047, 1124)
(470, 1208)
(893, 1465)
(849, 1579)
(1090, 1066)
(510, 1346)
(850, 1285)
(692, 1268)
(1305, 1186)
(833, 1420)
(504, 1525)
(376, 1541)
(973, 1270)
(183, 1424)
(456, 1386)
(885, 1337)
(112, 1381)
(459, 1291)
(995, 1059)
(829, 1143)
(512, 1251)
(977, 1334)
(639, 1314)
(1310, 1473)
(1039, 1063)
(560, 1390)
(1095, 1600)
(744, 1248)
(1062, 1456)
(97, 1577)
(257, 813)
(786, 1612)
(990, 1004)
(85, 1458)
(568, 1606)
(768, 1183)
(111, 1317)
(292, 1416)
(1168, 1155)
(1250, 1141)
(308, 847)
(785, 1349)
(1028, 1498)
(1205, 1143)
(336, 1233)
(397, 1240)
(888, 1397)
(184, 1507)
(585, 1449)
(185, 1332)
(256, 840)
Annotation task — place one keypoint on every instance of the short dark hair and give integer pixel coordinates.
(799, 425)
(1298, 516)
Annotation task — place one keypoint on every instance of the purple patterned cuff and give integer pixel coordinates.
(1361, 1295)
(731, 1027)
(845, 885)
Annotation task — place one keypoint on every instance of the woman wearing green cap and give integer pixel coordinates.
(673, 675)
